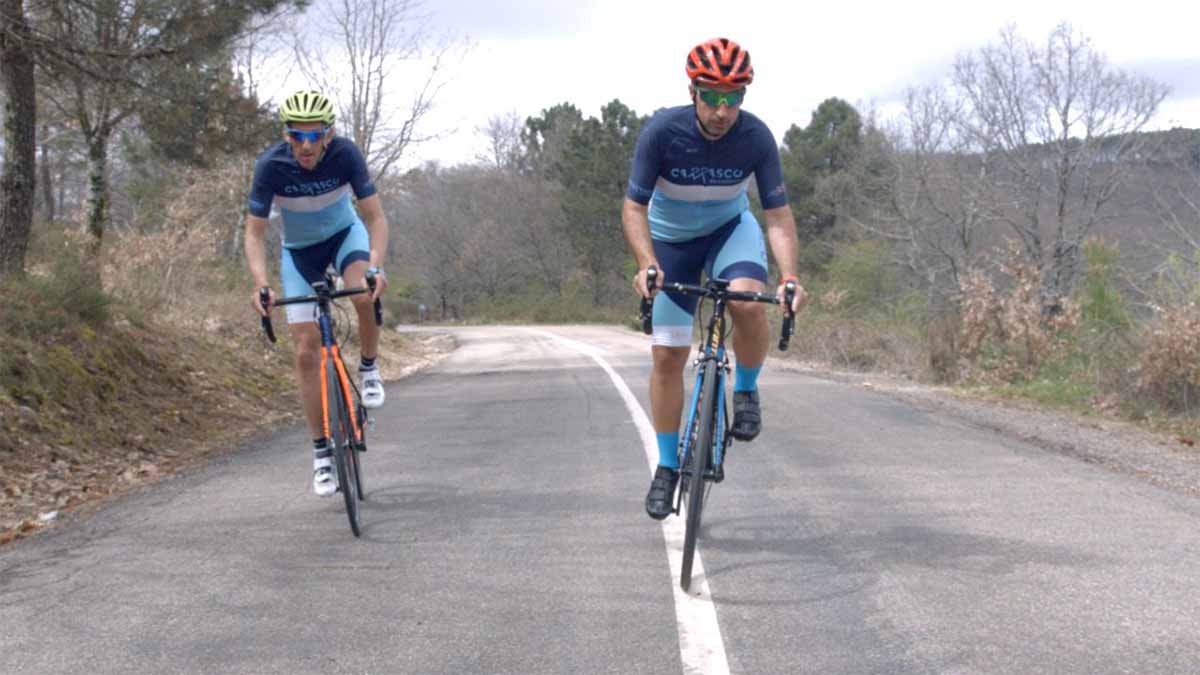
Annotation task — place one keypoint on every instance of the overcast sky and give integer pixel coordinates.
(531, 54)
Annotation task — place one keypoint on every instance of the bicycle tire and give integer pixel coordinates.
(343, 447)
(359, 448)
(697, 466)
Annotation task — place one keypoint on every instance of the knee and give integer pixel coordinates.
(362, 301)
(755, 312)
(670, 361)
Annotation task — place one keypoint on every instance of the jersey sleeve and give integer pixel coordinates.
(261, 193)
(769, 175)
(360, 179)
(647, 162)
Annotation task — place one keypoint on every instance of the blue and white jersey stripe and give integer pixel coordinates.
(694, 185)
(314, 205)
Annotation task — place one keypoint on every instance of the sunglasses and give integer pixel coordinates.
(715, 98)
(310, 136)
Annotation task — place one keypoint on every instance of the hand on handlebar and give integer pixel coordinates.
(799, 296)
(376, 280)
(264, 300)
(647, 281)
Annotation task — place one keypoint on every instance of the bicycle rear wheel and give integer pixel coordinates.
(697, 461)
(343, 446)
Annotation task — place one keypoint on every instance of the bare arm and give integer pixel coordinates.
(371, 210)
(636, 221)
(785, 246)
(256, 257)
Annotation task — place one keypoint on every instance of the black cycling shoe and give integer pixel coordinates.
(662, 492)
(747, 416)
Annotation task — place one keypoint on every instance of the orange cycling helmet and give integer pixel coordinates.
(720, 62)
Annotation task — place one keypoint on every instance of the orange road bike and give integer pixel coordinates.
(343, 416)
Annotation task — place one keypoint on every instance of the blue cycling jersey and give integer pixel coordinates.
(315, 205)
(694, 185)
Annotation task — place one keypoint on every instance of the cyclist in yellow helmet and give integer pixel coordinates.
(310, 176)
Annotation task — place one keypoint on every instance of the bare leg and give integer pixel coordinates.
(751, 333)
(666, 386)
(368, 332)
(306, 339)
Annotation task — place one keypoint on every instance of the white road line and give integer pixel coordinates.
(701, 647)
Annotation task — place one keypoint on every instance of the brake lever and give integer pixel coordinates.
(378, 305)
(789, 316)
(264, 299)
(647, 307)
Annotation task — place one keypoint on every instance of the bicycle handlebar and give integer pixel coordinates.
(264, 299)
(720, 292)
(715, 293)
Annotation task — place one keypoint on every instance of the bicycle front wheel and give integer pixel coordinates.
(358, 449)
(343, 445)
(697, 466)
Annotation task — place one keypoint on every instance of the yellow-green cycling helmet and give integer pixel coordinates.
(307, 106)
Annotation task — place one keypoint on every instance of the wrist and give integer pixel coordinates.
(784, 278)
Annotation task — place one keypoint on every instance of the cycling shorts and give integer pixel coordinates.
(300, 267)
(736, 250)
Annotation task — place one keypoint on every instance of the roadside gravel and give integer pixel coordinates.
(1163, 460)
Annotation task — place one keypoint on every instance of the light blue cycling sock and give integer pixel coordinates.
(745, 379)
(668, 449)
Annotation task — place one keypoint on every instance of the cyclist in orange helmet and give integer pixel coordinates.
(687, 212)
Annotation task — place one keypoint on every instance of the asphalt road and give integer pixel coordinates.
(505, 534)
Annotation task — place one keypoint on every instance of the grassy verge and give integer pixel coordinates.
(96, 401)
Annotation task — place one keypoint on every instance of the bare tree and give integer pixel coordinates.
(101, 59)
(379, 42)
(503, 136)
(1060, 127)
(931, 192)
(262, 42)
(1023, 141)
(526, 203)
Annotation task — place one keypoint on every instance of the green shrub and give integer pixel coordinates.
(863, 272)
(1102, 308)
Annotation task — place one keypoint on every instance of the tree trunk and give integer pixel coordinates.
(97, 190)
(20, 115)
(47, 183)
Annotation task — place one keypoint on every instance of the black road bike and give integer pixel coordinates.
(706, 436)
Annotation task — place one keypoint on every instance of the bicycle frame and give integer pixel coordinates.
(324, 295)
(712, 348)
(331, 355)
